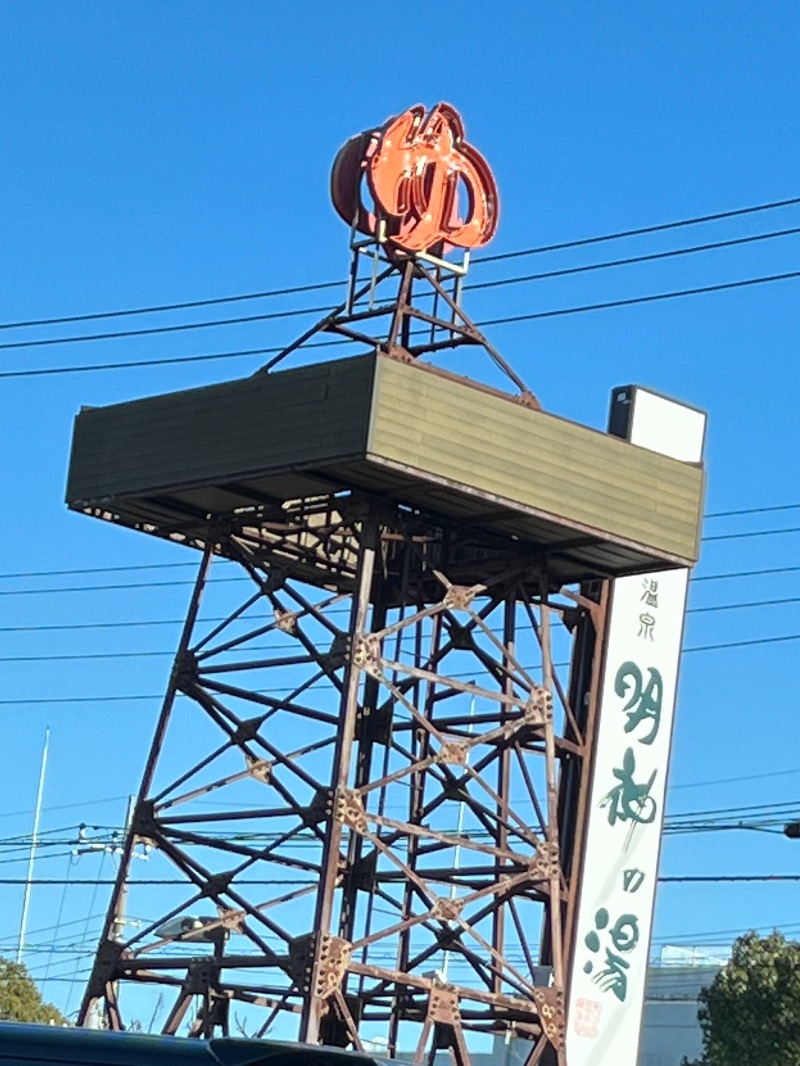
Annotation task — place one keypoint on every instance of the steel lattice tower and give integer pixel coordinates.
(367, 780)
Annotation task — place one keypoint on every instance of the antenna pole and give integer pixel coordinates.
(26, 899)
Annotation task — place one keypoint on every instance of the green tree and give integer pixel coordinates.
(21, 1000)
(750, 1014)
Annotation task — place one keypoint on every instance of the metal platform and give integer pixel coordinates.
(248, 450)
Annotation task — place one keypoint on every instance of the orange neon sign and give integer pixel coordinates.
(418, 171)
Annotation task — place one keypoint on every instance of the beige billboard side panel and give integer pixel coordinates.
(445, 428)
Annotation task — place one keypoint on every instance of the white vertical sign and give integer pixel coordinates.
(626, 803)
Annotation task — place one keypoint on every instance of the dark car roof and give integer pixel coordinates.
(88, 1047)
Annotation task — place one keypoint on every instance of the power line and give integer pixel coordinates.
(185, 305)
(697, 821)
(672, 787)
(749, 809)
(500, 257)
(650, 257)
(50, 700)
(96, 570)
(148, 331)
(753, 510)
(72, 626)
(298, 312)
(108, 882)
(752, 533)
(737, 780)
(739, 606)
(774, 825)
(241, 578)
(640, 231)
(127, 568)
(635, 300)
(694, 936)
(171, 361)
(501, 321)
(46, 701)
(64, 806)
(39, 858)
(726, 878)
(747, 573)
(755, 641)
(143, 881)
(158, 653)
(111, 588)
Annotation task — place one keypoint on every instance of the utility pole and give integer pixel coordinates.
(88, 847)
(118, 930)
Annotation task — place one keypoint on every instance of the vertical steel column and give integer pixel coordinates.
(108, 950)
(314, 1004)
(504, 767)
(588, 665)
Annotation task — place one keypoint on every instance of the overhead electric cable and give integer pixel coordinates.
(146, 881)
(50, 700)
(753, 510)
(723, 878)
(746, 573)
(68, 835)
(735, 780)
(501, 321)
(127, 568)
(640, 231)
(113, 588)
(650, 257)
(108, 882)
(752, 533)
(148, 331)
(178, 582)
(741, 606)
(291, 290)
(750, 643)
(634, 300)
(64, 806)
(744, 809)
(694, 936)
(185, 305)
(133, 364)
(96, 570)
(64, 627)
(269, 648)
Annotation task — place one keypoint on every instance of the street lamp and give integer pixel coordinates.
(193, 928)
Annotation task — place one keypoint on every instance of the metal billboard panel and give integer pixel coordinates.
(594, 504)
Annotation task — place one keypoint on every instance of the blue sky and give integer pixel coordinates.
(156, 153)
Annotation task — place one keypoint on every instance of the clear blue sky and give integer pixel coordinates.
(156, 152)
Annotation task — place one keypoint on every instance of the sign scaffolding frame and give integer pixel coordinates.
(373, 762)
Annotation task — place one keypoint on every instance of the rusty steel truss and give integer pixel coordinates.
(406, 306)
(382, 818)
(365, 791)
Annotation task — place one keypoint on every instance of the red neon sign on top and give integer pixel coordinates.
(417, 169)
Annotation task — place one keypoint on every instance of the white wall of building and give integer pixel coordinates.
(670, 1028)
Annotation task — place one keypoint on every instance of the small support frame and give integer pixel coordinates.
(408, 307)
